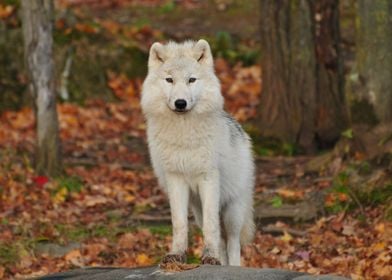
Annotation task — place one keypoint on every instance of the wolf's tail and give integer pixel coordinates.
(248, 229)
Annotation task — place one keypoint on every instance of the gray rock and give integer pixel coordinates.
(320, 277)
(203, 272)
(55, 250)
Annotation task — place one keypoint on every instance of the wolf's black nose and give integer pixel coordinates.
(180, 104)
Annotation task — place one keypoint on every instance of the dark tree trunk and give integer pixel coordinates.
(302, 100)
(37, 16)
(374, 58)
(331, 110)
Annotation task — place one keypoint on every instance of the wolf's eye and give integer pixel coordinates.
(192, 80)
(169, 80)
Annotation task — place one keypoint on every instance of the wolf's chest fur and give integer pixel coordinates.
(183, 145)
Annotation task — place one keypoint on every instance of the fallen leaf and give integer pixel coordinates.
(304, 255)
(2, 270)
(127, 241)
(75, 258)
(348, 230)
(286, 237)
(85, 28)
(291, 194)
(6, 11)
(379, 246)
(380, 227)
(143, 259)
(176, 267)
(60, 195)
(40, 180)
(93, 200)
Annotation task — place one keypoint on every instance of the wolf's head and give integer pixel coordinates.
(181, 80)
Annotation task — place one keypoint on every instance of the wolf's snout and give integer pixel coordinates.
(180, 104)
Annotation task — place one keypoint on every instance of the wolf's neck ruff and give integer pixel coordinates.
(185, 142)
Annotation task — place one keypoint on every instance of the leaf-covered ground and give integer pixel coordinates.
(107, 210)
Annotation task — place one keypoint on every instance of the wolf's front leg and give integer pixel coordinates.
(178, 192)
(209, 190)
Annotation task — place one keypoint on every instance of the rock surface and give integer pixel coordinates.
(203, 272)
(55, 250)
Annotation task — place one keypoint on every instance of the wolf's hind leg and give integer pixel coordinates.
(210, 195)
(223, 252)
(233, 219)
(196, 209)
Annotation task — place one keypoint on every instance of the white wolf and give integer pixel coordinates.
(199, 153)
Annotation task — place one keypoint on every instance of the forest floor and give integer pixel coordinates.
(107, 209)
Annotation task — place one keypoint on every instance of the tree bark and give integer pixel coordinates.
(302, 100)
(374, 57)
(37, 30)
(331, 110)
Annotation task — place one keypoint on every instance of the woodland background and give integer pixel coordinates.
(309, 80)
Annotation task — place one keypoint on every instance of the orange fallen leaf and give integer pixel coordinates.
(379, 246)
(93, 250)
(6, 11)
(293, 194)
(85, 28)
(380, 227)
(75, 258)
(111, 26)
(143, 259)
(343, 197)
(330, 200)
(2, 271)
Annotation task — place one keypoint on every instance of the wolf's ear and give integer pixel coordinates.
(157, 55)
(202, 53)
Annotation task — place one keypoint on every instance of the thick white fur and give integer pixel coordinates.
(202, 157)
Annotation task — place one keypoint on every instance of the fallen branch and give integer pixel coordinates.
(92, 163)
(144, 218)
(281, 230)
(303, 211)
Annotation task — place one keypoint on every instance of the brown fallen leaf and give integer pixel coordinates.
(290, 194)
(2, 270)
(177, 267)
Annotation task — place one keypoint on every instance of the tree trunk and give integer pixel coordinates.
(374, 59)
(331, 110)
(37, 30)
(302, 100)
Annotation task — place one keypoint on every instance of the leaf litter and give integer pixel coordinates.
(104, 147)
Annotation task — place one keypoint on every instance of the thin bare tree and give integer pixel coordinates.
(37, 21)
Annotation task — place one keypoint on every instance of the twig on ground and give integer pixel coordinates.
(92, 162)
(281, 230)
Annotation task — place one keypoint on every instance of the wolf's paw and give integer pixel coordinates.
(174, 258)
(210, 260)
